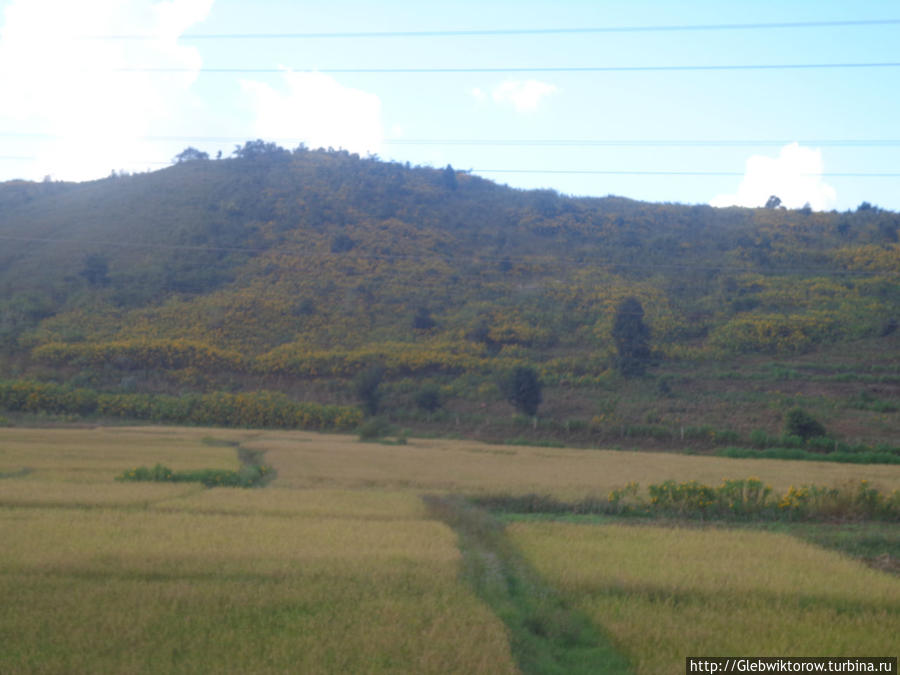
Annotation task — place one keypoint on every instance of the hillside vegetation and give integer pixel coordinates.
(297, 271)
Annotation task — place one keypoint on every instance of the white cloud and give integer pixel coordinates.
(523, 95)
(317, 110)
(795, 176)
(65, 88)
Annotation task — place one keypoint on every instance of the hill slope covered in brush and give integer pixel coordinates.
(298, 270)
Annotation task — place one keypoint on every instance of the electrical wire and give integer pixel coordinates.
(617, 172)
(537, 142)
(586, 172)
(850, 23)
(500, 69)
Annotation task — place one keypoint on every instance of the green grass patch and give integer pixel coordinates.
(253, 473)
(219, 442)
(18, 473)
(877, 544)
(534, 442)
(548, 636)
(846, 457)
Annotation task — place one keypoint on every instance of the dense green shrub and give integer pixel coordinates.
(374, 428)
(656, 431)
(740, 499)
(428, 398)
(760, 439)
(820, 444)
(682, 497)
(710, 434)
(800, 423)
(867, 456)
(247, 476)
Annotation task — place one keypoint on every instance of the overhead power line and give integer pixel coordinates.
(591, 172)
(618, 172)
(538, 142)
(648, 143)
(507, 69)
(861, 23)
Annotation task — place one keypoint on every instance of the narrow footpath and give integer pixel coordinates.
(547, 636)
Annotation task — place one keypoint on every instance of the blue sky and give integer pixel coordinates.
(68, 111)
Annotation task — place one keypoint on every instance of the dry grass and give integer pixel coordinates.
(313, 460)
(665, 593)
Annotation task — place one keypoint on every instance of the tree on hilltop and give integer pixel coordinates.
(448, 178)
(257, 148)
(190, 154)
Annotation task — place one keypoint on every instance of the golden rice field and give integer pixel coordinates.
(337, 567)
(663, 594)
(305, 459)
(98, 576)
(333, 461)
(99, 454)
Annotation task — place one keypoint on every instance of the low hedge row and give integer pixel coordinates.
(262, 409)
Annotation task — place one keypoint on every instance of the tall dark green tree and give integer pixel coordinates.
(429, 398)
(367, 385)
(423, 321)
(632, 338)
(522, 388)
(96, 269)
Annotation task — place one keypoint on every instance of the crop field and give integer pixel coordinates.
(666, 593)
(305, 459)
(99, 576)
(338, 566)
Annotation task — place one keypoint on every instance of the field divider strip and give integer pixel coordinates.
(547, 635)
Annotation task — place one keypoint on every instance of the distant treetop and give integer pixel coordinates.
(257, 148)
(190, 154)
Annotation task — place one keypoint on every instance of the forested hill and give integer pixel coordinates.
(313, 264)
